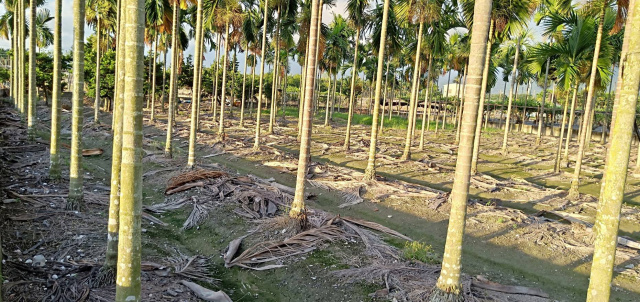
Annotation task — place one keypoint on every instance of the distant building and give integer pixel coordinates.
(451, 88)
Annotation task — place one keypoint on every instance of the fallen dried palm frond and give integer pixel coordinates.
(164, 207)
(349, 190)
(191, 176)
(195, 268)
(199, 213)
(299, 244)
(375, 226)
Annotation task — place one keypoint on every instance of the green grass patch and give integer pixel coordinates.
(418, 251)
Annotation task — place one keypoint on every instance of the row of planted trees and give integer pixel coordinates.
(580, 48)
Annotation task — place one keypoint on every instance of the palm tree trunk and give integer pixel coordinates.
(153, 78)
(514, 80)
(541, 111)
(427, 102)
(561, 137)
(448, 287)
(130, 239)
(96, 104)
(354, 73)
(113, 225)
(326, 105)
(302, 97)
(575, 181)
(384, 96)
(244, 82)
(54, 159)
(574, 100)
(224, 82)
(256, 144)
(370, 171)
(195, 93)
(603, 136)
(168, 151)
(75, 200)
(14, 59)
(298, 210)
(33, 95)
(459, 120)
(214, 103)
(608, 216)
(164, 75)
(253, 77)
(406, 155)
(483, 91)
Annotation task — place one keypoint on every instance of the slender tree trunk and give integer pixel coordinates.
(483, 91)
(575, 181)
(603, 136)
(298, 210)
(253, 77)
(427, 102)
(75, 200)
(256, 144)
(302, 98)
(464, 83)
(244, 82)
(561, 137)
(514, 79)
(326, 105)
(224, 82)
(370, 171)
(448, 286)
(128, 283)
(195, 93)
(541, 112)
(153, 78)
(384, 95)
(565, 157)
(406, 155)
(113, 225)
(54, 159)
(214, 104)
(164, 75)
(608, 216)
(354, 73)
(33, 94)
(96, 104)
(168, 151)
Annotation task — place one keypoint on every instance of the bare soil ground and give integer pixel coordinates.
(521, 229)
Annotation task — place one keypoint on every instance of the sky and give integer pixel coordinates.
(327, 17)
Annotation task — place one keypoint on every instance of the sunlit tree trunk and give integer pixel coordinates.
(298, 210)
(370, 171)
(514, 80)
(448, 286)
(572, 115)
(153, 78)
(302, 98)
(459, 117)
(483, 91)
(614, 179)
(130, 244)
(244, 83)
(74, 202)
(427, 104)
(168, 149)
(214, 103)
(256, 143)
(541, 112)
(224, 82)
(253, 78)
(33, 93)
(195, 95)
(96, 103)
(354, 73)
(164, 75)
(575, 181)
(406, 155)
(326, 105)
(54, 149)
(556, 167)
